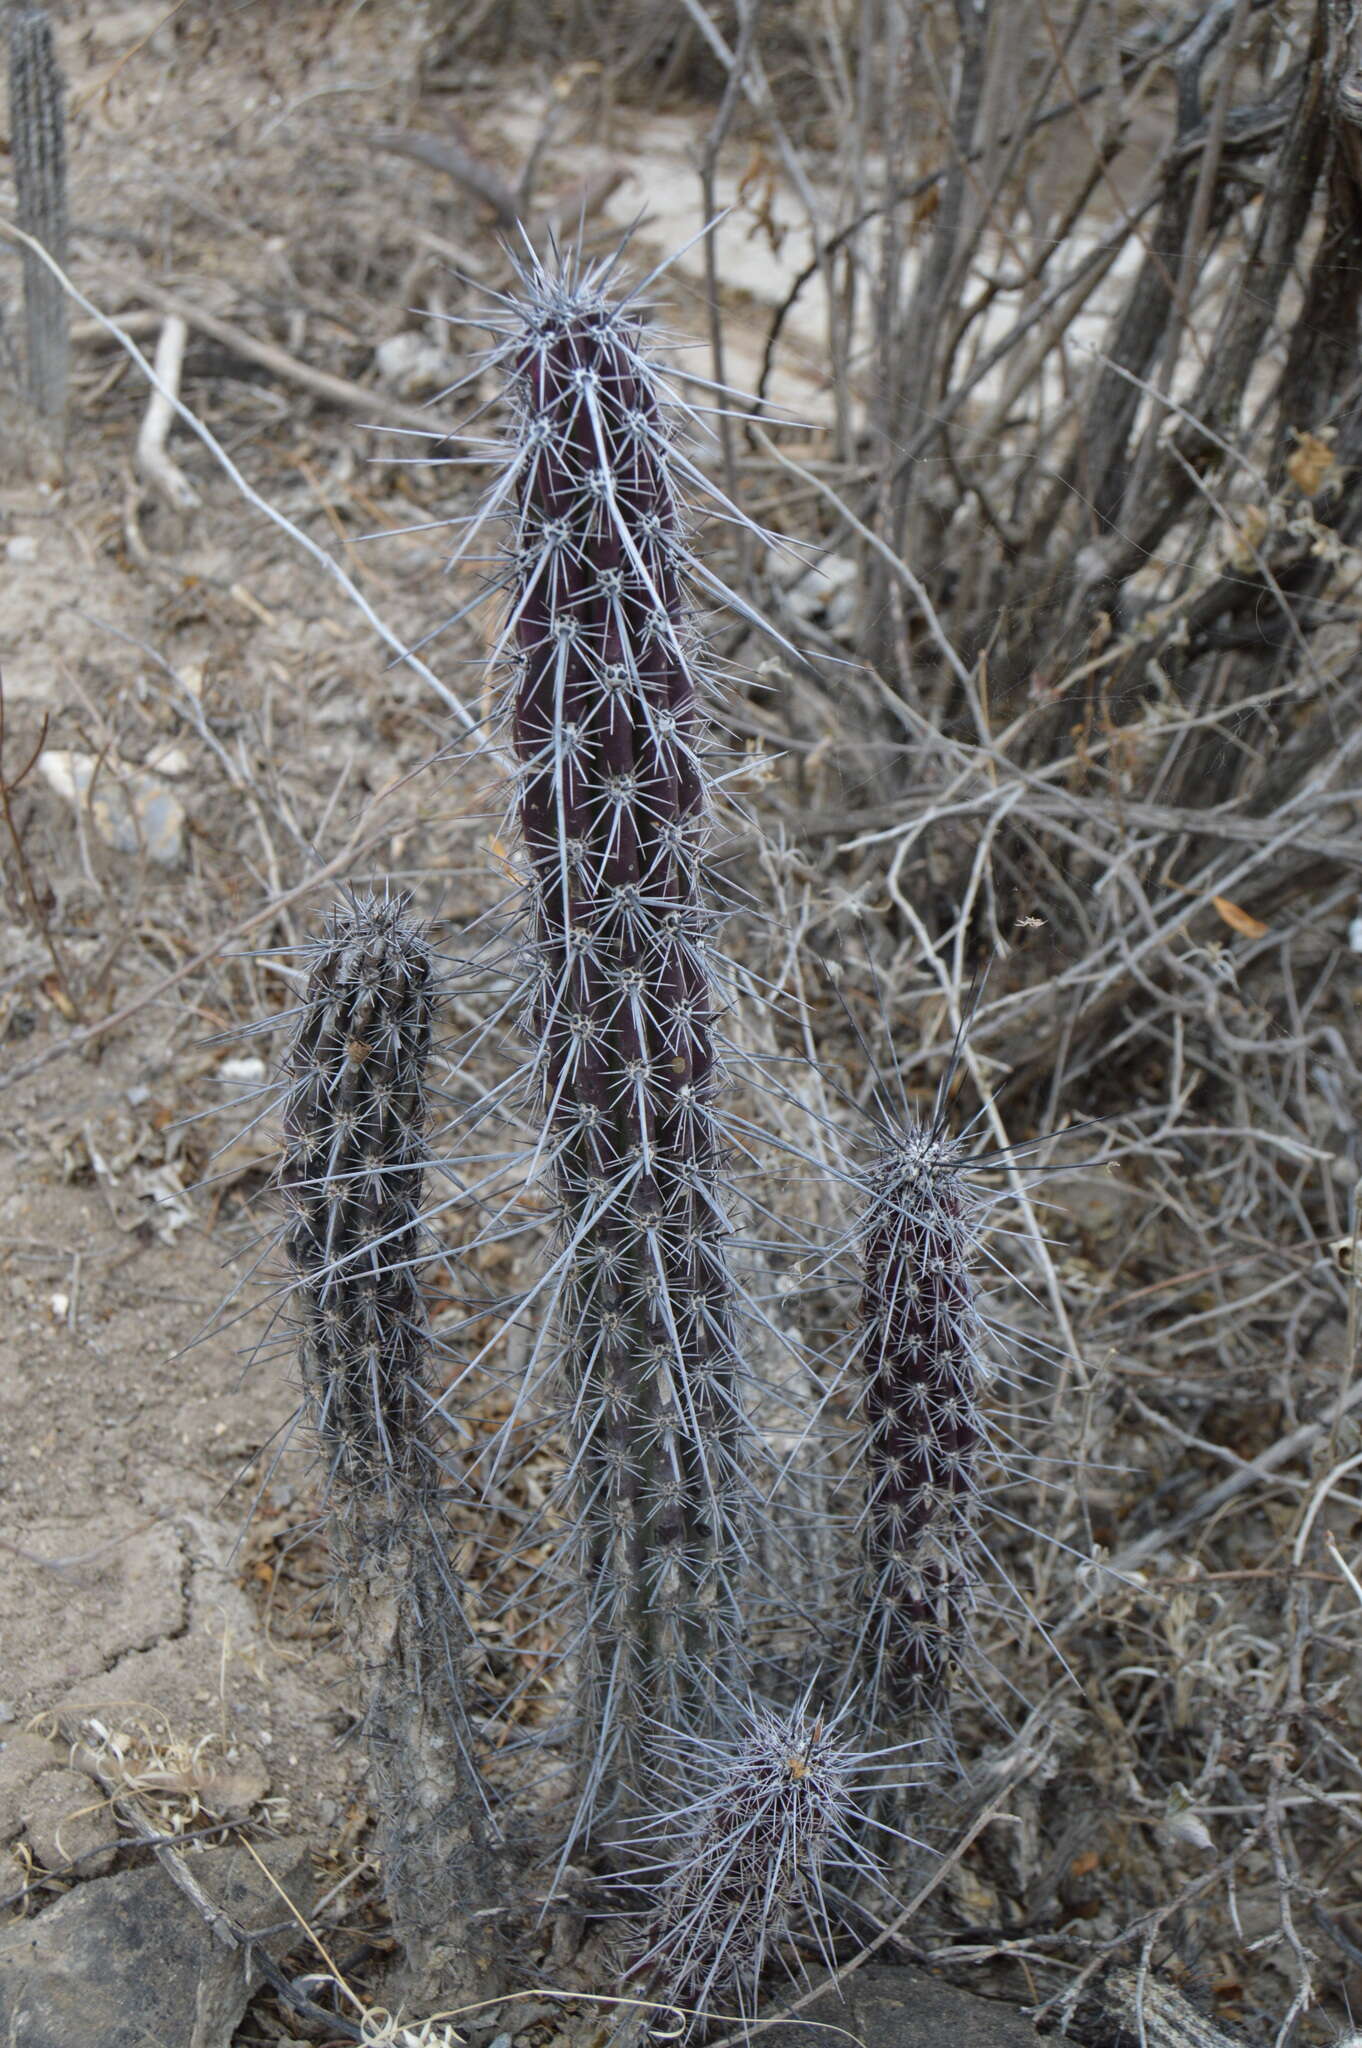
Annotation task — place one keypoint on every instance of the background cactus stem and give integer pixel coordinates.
(37, 110)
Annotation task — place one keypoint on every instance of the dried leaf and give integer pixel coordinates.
(1238, 920)
(1249, 528)
(1310, 463)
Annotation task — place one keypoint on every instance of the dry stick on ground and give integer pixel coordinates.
(469, 724)
(350, 855)
(1133, 1555)
(152, 459)
(749, 15)
(38, 148)
(323, 384)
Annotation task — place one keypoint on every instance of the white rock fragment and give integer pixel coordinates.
(241, 1073)
(1183, 1822)
(161, 1186)
(129, 809)
(414, 366)
(825, 591)
(172, 762)
(23, 548)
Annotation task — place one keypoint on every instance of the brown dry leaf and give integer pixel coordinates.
(56, 995)
(1249, 529)
(1310, 463)
(1247, 926)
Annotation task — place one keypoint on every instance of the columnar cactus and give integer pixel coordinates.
(608, 731)
(38, 146)
(351, 1182)
(921, 1360)
(744, 1862)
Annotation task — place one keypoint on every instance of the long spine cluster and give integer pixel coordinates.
(38, 146)
(745, 1862)
(612, 799)
(922, 1370)
(352, 1180)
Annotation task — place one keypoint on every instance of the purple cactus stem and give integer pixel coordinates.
(612, 803)
(924, 1430)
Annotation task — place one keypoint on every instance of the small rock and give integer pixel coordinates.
(241, 1073)
(23, 548)
(241, 1784)
(414, 366)
(67, 1819)
(129, 808)
(825, 591)
(888, 2008)
(128, 1960)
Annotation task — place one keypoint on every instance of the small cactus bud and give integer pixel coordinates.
(744, 1865)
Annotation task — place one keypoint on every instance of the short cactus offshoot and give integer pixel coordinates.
(351, 1182)
(922, 1366)
(746, 1864)
(611, 804)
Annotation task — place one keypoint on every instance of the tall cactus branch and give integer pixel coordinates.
(612, 805)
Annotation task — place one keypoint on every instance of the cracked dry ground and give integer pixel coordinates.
(131, 1605)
